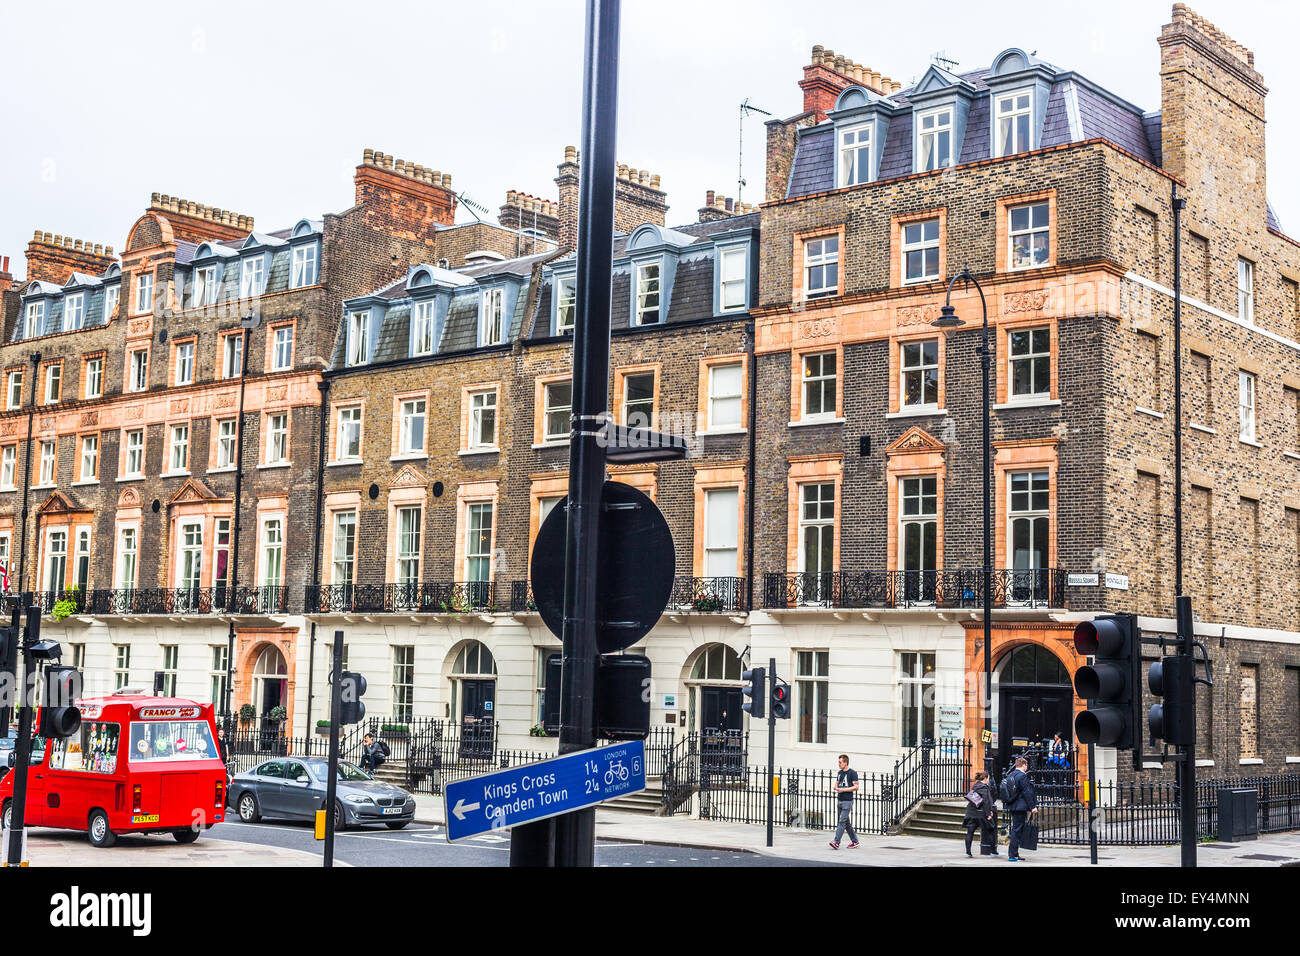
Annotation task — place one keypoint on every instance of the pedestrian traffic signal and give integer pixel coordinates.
(1110, 682)
(780, 699)
(351, 686)
(60, 716)
(756, 690)
(1172, 720)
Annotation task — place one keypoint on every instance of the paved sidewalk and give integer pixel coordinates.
(901, 850)
(69, 848)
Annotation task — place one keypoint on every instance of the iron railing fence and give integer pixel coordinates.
(697, 760)
(1041, 587)
(425, 597)
(715, 595)
(933, 768)
(214, 600)
(806, 799)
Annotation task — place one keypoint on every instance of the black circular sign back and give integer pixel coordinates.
(635, 567)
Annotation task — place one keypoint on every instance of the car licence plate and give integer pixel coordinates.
(392, 810)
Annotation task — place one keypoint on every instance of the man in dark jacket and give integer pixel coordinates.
(980, 815)
(372, 753)
(1020, 799)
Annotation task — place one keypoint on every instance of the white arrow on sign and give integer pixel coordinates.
(461, 806)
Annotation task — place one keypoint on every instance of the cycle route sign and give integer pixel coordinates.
(535, 791)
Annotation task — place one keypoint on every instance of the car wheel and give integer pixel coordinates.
(340, 818)
(100, 834)
(396, 824)
(188, 835)
(248, 810)
(7, 815)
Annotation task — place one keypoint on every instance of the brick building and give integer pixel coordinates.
(405, 417)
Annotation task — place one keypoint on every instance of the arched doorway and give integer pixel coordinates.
(1035, 699)
(713, 691)
(473, 698)
(270, 681)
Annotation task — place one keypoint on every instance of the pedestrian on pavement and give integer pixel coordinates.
(846, 785)
(979, 813)
(373, 753)
(1018, 797)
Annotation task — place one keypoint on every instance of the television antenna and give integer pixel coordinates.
(474, 207)
(943, 60)
(745, 110)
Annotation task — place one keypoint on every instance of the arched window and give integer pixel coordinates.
(1032, 664)
(717, 662)
(270, 663)
(474, 660)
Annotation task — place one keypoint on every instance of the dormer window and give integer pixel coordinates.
(1012, 113)
(205, 286)
(251, 277)
(731, 281)
(111, 295)
(647, 294)
(358, 332)
(422, 329)
(566, 304)
(934, 139)
(35, 319)
(304, 266)
(492, 317)
(74, 311)
(855, 155)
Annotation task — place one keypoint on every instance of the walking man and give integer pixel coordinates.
(1018, 796)
(846, 785)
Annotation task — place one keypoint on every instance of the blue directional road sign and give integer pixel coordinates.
(548, 788)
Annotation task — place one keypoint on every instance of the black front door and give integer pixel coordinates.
(721, 709)
(1030, 715)
(478, 717)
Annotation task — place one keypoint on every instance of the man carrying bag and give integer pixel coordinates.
(1017, 795)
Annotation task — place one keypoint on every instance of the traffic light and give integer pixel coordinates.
(60, 716)
(8, 675)
(1110, 682)
(756, 690)
(1172, 720)
(780, 699)
(351, 686)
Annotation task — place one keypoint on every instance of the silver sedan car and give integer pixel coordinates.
(293, 788)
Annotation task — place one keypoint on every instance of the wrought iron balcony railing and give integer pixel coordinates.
(430, 597)
(963, 588)
(703, 595)
(216, 600)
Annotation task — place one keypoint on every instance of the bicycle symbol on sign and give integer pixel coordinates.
(616, 769)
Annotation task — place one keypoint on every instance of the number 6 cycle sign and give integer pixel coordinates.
(535, 791)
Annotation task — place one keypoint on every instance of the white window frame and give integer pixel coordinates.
(828, 262)
(492, 317)
(358, 352)
(729, 284)
(409, 410)
(14, 389)
(112, 295)
(808, 382)
(232, 355)
(408, 561)
(89, 457)
(716, 396)
(927, 161)
(1246, 410)
(227, 438)
(820, 520)
(277, 438)
(1013, 113)
(144, 293)
(912, 692)
(205, 286)
(139, 370)
(95, 377)
(271, 543)
(919, 368)
(482, 401)
(1031, 231)
(189, 548)
(343, 547)
(185, 363)
(74, 311)
(627, 403)
(121, 665)
(422, 342)
(344, 420)
(282, 349)
(1031, 513)
(1032, 357)
(49, 464)
(566, 303)
(922, 246)
(851, 142)
(303, 268)
(8, 468)
(919, 517)
(179, 448)
(812, 678)
(134, 450)
(549, 409)
(170, 661)
(55, 557)
(1246, 290)
(403, 682)
(35, 323)
(645, 288)
(53, 383)
(252, 276)
(478, 540)
(713, 550)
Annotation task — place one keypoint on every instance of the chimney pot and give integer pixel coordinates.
(47, 238)
(729, 205)
(368, 157)
(76, 244)
(708, 198)
(37, 236)
(108, 251)
(446, 180)
(839, 63)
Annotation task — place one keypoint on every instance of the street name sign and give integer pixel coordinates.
(548, 788)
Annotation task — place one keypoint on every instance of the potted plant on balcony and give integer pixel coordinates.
(394, 731)
(66, 606)
(707, 603)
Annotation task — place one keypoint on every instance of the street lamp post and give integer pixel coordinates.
(948, 321)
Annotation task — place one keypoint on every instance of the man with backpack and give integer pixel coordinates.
(373, 753)
(1017, 796)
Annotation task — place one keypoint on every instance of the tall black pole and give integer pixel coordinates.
(771, 752)
(1092, 803)
(23, 745)
(575, 833)
(1183, 603)
(336, 705)
(233, 593)
(27, 483)
(985, 361)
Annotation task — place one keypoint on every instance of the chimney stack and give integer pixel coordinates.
(404, 197)
(828, 74)
(638, 198)
(53, 258)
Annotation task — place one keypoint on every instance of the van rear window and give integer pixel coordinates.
(153, 740)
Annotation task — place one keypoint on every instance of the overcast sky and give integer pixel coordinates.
(264, 107)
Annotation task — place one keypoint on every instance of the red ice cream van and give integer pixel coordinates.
(139, 764)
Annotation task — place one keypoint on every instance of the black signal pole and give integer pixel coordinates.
(575, 833)
(771, 754)
(23, 745)
(336, 711)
